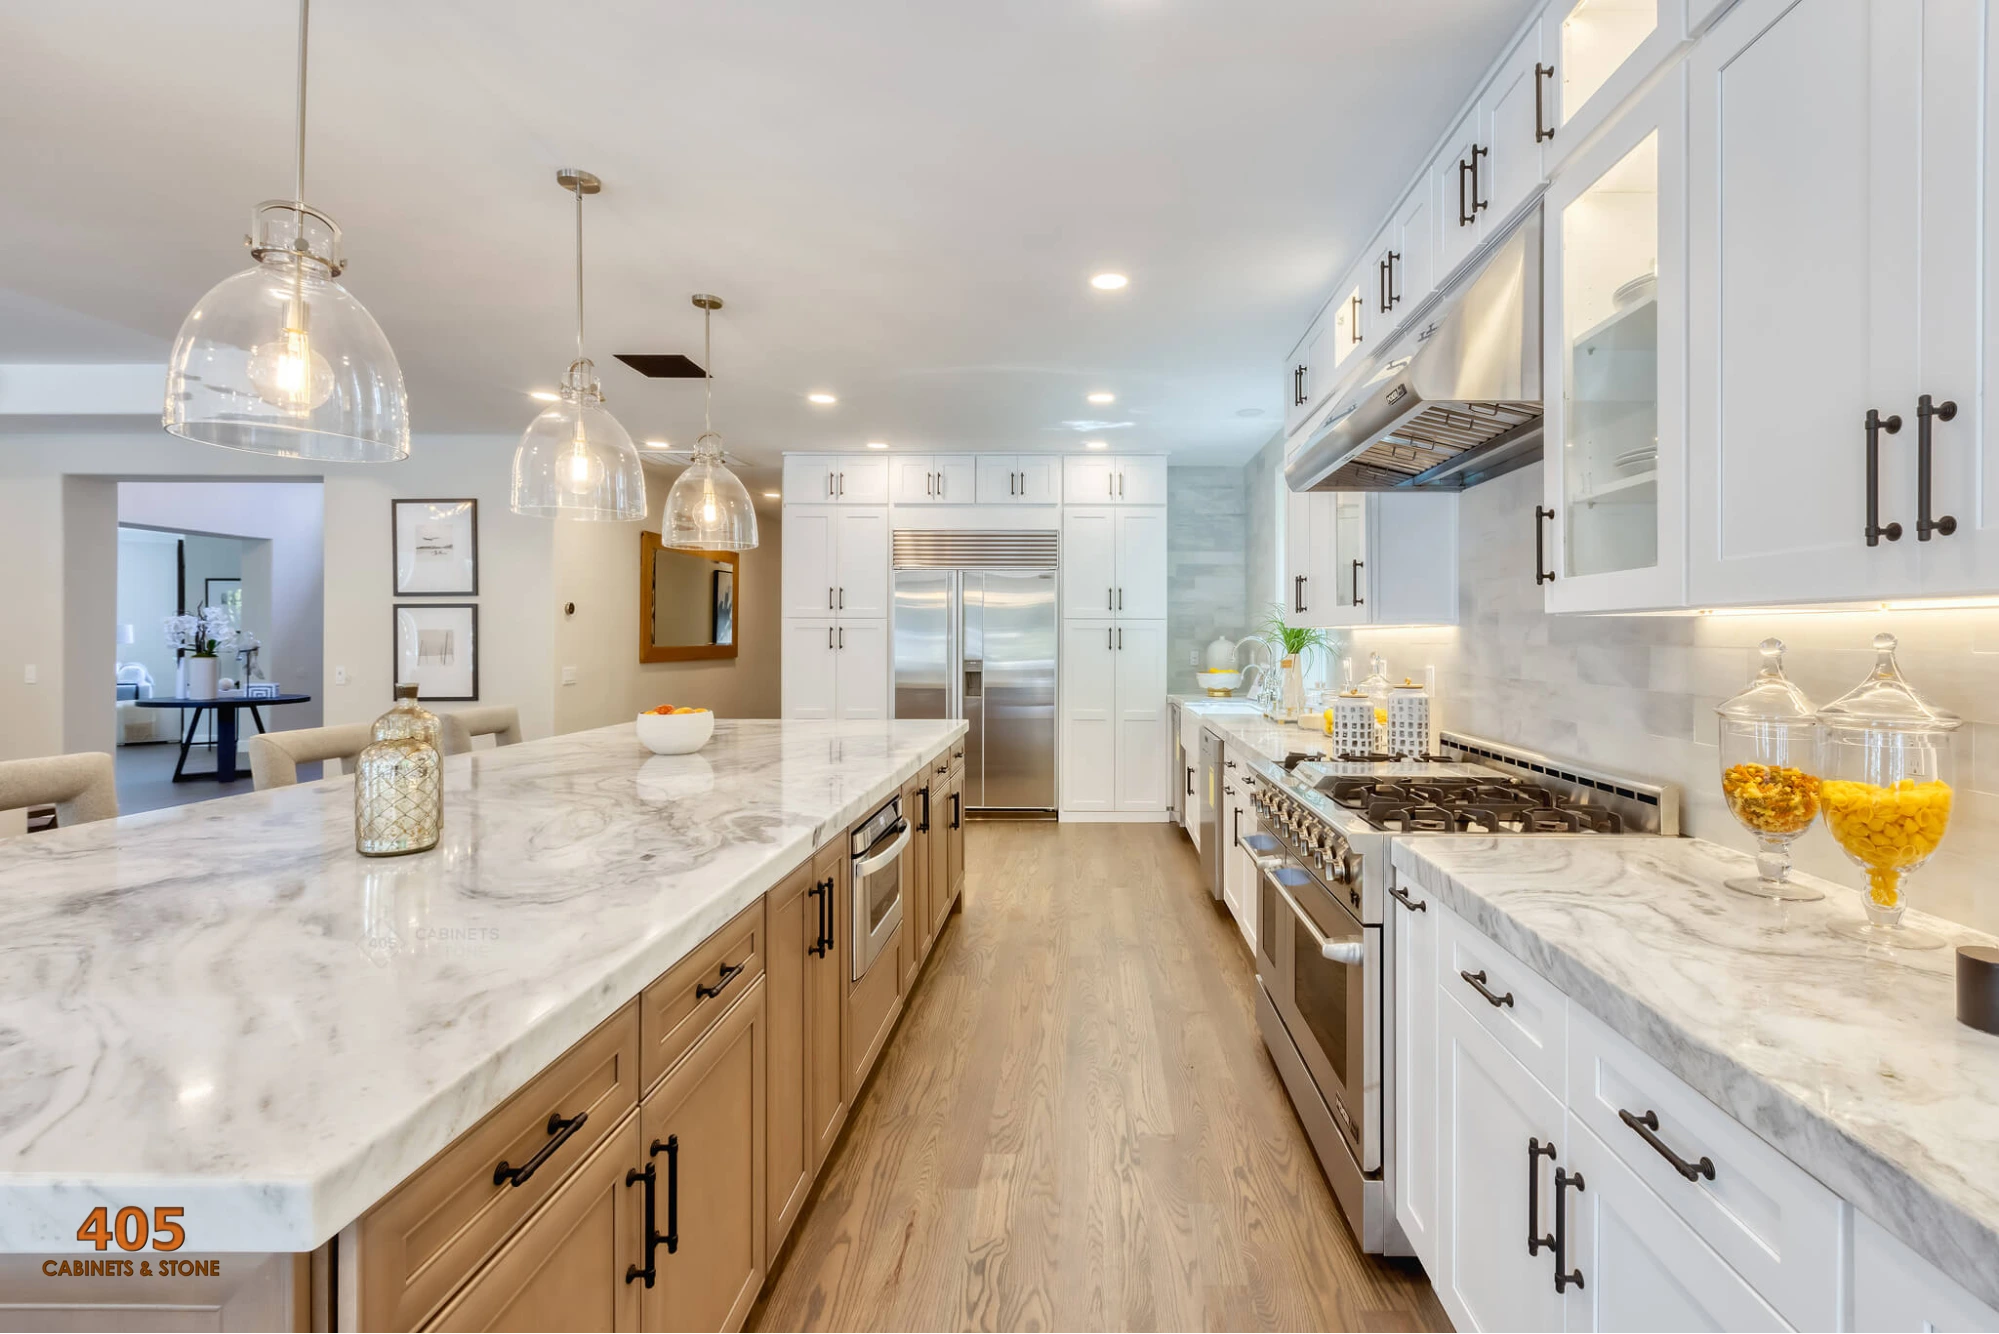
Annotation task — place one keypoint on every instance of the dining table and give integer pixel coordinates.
(223, 707)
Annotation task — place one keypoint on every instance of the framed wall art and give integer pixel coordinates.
(436, 547)
(437, 649)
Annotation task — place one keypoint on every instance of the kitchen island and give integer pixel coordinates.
(223, 1009)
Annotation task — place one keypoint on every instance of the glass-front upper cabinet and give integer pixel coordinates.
(1613, 366)
(1602, 51)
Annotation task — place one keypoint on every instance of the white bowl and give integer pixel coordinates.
(1215, 680)
(675, 733)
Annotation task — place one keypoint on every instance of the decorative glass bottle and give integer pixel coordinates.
(399, 782)
(1377, 688)
(1886, 764)
(1769, 737)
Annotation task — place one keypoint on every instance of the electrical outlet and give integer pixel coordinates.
(1193, 657)
(28, 674)
(569, 676)
(340, 676)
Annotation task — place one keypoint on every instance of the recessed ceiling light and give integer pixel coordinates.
(821, 398)
(544, 396)
(877, 444)
(1103, 396)
(1108, 282)
(1096, 444)
(659, 444)
(773, 495)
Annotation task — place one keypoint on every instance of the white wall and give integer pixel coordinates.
(148, 574)
(43, 465)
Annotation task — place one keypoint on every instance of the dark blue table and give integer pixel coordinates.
(224, 707)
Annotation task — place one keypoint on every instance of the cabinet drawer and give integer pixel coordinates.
(1771, 1221)
(685, 1002)
(1526, 1013)
(421, 1242)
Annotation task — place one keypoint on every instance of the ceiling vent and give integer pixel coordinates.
(662, 365)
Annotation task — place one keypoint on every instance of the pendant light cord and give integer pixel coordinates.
(579, 270)
(298, 175)
(707, 371)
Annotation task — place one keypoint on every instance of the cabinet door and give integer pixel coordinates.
(1413, 558)
(1458, 231)
(1600, 53)
(1302, 593)
(1489, 1109)
(913, 480)
(1089, 479)
(1803, 194)
(1297, 401)
(1040, 479)
(1339, 559)
(954, 849)
(704, 1136)
(1349, 323)
(861, 479)
(1642, 1267)
(1894, 1288)
(1141, 563)
(1089, 715)
(860, 669)
(808, 478)
(1141, 480)
(826, 990)
(1514, 116)
(809, 543)
(861, 562)
(1615, 290)
(1958, 348)
(939, 847)
(810, 650)
(998, 480)
(1412, 270)
(955, 478)
(1140, 663)
(1414, 1185)
(565, 1268)
(794, 916)
(1089, 561)
(918, 893)
(1322, 359)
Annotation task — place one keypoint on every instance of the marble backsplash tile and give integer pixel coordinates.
(1207, 552)
(1638, 692)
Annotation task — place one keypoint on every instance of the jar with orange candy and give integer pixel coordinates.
(1769, 737)
(1886, 757)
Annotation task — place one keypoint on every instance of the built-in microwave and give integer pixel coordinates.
(876, 847)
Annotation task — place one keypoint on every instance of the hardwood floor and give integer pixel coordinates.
(1077, 1127)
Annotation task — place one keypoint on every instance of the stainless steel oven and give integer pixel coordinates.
(876, 847)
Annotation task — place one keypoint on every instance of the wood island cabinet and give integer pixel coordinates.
(918, 892)
(797, 925)
(826, 995)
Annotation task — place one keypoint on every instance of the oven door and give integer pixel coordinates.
(877, 896)
(1329, 1001)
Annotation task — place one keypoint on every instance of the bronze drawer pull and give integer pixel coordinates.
(1647, 1127)
(561, 1128)
(1477, 981)
(702, 991)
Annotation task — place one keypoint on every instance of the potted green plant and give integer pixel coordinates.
(1290, 643)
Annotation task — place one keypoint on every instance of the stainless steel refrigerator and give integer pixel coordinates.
(979, 644)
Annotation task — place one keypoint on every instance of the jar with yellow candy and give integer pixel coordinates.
(1886, 762)
(1769, 773)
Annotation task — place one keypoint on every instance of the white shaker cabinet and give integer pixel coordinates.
(1019, 479)
(1114, 561)
(835, 561)
(1141, 715)
(1382, 558)
(1089, 716)
(1596, 53)
(932, 479)
(1614, 357)
(1492, 161)
(1896, 1289)
(836, 479)
(1413, 1164)
(860, 669)
(1141, 563)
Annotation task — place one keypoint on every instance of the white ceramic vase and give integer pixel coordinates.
(201, 673)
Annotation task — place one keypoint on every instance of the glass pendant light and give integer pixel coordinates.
(280, 358)
(708, 509)
(575, 461)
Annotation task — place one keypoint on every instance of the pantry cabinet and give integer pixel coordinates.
(835, 669)
(932, 479)
(1114, 479)
(1370, 558)
(836, 561)
(1114, 562)
(1019, 479)
(1113, 725)
(836, 479)
(1611, 529)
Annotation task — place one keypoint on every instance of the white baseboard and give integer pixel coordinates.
(1115, 817)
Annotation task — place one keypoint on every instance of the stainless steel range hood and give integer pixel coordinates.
(1456, 400)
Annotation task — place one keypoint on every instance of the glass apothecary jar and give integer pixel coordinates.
(399, 781)
(1886, 761)
(1769, 745)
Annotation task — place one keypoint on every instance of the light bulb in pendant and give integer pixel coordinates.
(289, 374)
(581, 470)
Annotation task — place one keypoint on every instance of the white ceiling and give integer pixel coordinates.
(901, 201)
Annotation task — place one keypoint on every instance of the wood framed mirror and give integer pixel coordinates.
(690, 602)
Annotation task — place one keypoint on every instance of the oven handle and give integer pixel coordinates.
(1352, 953)
(869, 865)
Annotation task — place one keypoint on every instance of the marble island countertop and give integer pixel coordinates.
(223, 1007)
(1848, 1060)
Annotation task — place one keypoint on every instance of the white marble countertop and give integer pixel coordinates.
(1848, 1060)
(223, 1007)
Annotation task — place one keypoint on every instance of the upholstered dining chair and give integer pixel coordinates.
(276, 756)
(81, 787)
(502, 722)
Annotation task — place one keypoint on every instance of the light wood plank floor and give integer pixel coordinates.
(1076, 1125)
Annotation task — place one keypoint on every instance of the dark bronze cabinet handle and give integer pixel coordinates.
(1297, 592)
(1190, 780)
(1542, 130)
(1402, 896)
(1463, 167)
(1542, 574)
(1358, 600)
(1298, 386)
(1236, 815)
(1924, 524)
(1353, 319)
(672, 1234)
(1535, 1241)
(1876, 424)
(923, 825)
(957, 811)
(1394, 279)
(651, 1179)
(1381, 284)
(560, 1129)
(1476, 203)
(1477, 981)
(822, 940)
(1647, 1127)
(1564, 1180)
(702, 991)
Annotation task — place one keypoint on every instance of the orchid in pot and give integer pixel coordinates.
(1290, 644)
(198, 640)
